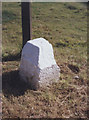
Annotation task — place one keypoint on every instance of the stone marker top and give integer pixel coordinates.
(40, 52)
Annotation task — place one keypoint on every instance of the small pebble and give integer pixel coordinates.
(76, 77)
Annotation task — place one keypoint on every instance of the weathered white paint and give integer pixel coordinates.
(38, 66)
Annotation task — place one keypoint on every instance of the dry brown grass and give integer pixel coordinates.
(61, 100)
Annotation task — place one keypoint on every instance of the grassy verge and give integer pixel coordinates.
(65, 26)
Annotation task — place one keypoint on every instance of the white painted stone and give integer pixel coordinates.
(38, 66)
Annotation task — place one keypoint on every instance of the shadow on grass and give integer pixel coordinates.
(13, 85)
(14, 57)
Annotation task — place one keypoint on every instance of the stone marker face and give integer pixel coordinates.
(38, 66)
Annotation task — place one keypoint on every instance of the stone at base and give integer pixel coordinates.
(38, 66)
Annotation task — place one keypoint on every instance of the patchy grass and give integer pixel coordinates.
(65, 26)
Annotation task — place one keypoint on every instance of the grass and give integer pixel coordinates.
(64, 25)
